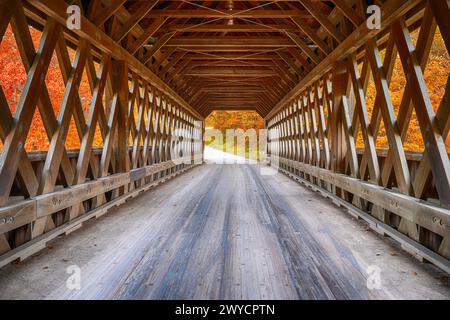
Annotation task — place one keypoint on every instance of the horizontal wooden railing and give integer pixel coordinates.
(28, 211)
(424, 214)
(21, 212)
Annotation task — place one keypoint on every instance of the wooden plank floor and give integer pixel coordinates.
(224, 232)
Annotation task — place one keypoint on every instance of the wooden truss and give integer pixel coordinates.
(313, 131)
(157, 68)
(137, 118)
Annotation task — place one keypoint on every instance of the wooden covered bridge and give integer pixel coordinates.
(156, 69)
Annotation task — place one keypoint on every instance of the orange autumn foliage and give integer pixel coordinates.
(245, 120)
(436, 74)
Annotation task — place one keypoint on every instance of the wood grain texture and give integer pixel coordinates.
(224, 232)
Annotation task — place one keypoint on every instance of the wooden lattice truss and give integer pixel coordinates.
(312, 135)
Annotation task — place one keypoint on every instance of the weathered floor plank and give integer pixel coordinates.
(224, 232)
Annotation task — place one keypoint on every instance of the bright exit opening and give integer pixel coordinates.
(234, 133)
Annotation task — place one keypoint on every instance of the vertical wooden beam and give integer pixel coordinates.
(120, 78)
(338, 147)
(431, 132)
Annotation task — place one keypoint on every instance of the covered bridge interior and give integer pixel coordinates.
(155, 70)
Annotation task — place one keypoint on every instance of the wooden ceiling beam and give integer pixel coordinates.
(198, 98)
(234, 56)
(287, 74)
(232, 100)
(219, 72)
(276, 87)
(224, 106)
(108, 12)
(232, 28)
(135, 18)
(93, 8)
(229, 14)
(174, 74)
(243, 1)
(210, 110)
(193, 85)
(348, 11)
(287, 58)
(270, 92)
(146, 35)
(233, 89)
(233, 49)
(312, 34)
(162, 58)
(265, 104)
(271, 100)
(173, 61)
(304, 47)
(247, 42)
(322, 19)
(232, 63)
(235, 95)
(299, 57)
(150, 29)
(156, 47)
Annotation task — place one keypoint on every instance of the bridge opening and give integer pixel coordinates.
(237, 133)
(107, 104)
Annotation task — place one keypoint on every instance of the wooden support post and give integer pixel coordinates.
(120, 80)
(338, 146)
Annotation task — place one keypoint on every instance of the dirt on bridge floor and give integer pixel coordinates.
(225, 232)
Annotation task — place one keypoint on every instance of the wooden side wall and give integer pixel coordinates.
(149, 134)
(312, 133)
